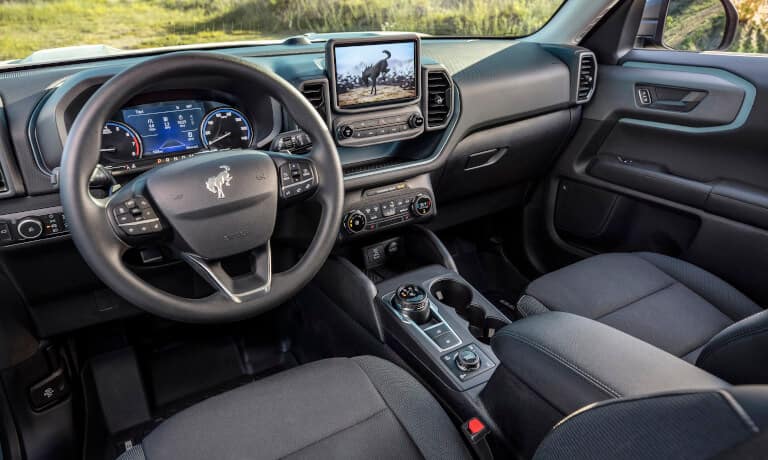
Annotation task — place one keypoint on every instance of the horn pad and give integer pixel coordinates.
(219, 204)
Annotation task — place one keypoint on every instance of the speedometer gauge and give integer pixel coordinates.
(225, 128)
(119, 143)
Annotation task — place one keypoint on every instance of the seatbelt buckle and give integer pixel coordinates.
(476, 431)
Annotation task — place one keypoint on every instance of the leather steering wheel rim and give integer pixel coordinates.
(88, 220)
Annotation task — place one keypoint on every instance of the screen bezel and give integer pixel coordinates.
(330, 59)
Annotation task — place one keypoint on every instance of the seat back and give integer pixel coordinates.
(737, 354)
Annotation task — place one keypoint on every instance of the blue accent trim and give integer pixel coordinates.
(750, 93)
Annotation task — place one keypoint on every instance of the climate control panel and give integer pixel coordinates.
(32, 226)
(390, 207)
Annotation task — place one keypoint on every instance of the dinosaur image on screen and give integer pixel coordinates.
(375, 74)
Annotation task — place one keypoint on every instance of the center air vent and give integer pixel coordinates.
(587, 77)
(316, 92)
(439, 96)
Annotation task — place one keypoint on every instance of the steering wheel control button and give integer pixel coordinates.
(136, 217)
(468, 362)
(355, 222)
(29, 228)
(296, 178)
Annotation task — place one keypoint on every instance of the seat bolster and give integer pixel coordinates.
(714, 290)
(738, 353)
(416, 409)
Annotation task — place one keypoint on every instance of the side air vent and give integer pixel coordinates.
(587, 77)
(439, 99)
(316, 93)
(3, 182)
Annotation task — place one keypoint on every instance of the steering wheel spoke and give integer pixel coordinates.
(257, 283)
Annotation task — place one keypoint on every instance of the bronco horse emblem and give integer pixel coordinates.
(216, 183)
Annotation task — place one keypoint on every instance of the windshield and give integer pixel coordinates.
(111, 26)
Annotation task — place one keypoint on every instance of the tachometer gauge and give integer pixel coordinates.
(225, 128)
(119, 143)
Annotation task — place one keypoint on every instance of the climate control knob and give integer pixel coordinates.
(355, 221)
(29, 228)
(422, 205)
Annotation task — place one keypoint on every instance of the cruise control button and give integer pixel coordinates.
(124, 219)
(121, 210)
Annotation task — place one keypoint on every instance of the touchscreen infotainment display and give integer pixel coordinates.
(167, 127)
(374, 74)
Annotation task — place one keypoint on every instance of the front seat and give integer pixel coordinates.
(666, 302)
(339, 408)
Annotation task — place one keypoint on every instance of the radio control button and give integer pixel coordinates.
(346, 131)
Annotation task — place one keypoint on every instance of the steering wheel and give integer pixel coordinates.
(206, 208)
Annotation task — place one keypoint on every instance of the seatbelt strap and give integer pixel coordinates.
(475, 431)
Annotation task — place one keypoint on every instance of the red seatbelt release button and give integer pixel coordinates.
(474, 429)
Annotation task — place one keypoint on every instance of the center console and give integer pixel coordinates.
(439, 318)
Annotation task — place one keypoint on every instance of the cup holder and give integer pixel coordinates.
(459, 297)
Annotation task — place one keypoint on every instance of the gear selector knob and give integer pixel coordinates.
(412, 301)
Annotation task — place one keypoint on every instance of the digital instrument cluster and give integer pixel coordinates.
(144, 135)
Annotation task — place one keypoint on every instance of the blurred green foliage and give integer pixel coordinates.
(29, 25)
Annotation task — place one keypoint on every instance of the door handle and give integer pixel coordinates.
(668, 98)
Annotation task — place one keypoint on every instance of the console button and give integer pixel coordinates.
(5, 232)
(437, 330)
(50, 390)
(446, 341)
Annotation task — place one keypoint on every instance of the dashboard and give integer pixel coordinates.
(455, 129)
(448, 119)
(141, 136)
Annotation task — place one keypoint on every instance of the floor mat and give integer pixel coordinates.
(486, 267)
